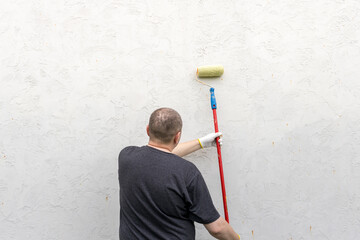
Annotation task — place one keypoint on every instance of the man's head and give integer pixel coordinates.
(164, 126)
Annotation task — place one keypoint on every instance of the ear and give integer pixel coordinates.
(147, 130)
(177, 137)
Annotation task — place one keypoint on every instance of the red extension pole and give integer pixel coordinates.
(213, 106)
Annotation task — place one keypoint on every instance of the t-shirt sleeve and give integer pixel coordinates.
(201, 207)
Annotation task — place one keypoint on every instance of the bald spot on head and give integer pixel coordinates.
(164, 124)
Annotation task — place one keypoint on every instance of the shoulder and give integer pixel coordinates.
(189, 168)
(129, 149)
(183, 162)
(174, 163)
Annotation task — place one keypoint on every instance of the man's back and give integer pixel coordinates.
(161, 195)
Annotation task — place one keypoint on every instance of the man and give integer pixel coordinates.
(162, 194)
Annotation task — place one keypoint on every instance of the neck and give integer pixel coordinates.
(162, 147)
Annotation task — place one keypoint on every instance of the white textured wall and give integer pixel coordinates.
(80, 78)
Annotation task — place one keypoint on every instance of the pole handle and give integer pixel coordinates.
(212, 98)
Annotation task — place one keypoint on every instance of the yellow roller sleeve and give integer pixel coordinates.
(210, 71)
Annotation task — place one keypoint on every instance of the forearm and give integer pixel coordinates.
(228, 233)
(185, 148)
(222, 230)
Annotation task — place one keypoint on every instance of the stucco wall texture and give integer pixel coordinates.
(79, 80)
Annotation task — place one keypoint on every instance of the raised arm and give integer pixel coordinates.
(185, 148)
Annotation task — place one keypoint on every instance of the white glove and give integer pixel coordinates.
(209, 140)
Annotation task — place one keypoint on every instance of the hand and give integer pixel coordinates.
(209, 140)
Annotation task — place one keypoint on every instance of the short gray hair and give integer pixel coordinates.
(164, 123)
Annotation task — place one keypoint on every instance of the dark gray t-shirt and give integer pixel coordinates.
(161, 195)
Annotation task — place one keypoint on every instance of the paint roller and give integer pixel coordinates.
(210, 72)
